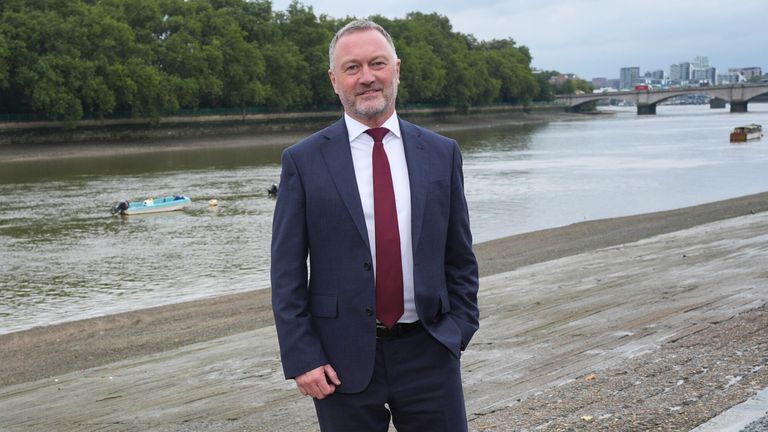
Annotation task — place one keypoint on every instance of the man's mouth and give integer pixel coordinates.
(368, 92)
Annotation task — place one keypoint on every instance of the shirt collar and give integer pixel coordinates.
(355, 128)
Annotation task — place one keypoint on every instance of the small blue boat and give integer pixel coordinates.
(152, 205)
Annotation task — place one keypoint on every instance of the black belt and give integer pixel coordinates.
(399, 329)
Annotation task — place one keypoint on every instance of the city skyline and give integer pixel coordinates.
(668, 70)
(595, 38)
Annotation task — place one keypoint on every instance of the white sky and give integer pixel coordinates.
(594, 38)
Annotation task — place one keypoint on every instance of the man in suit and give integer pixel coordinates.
(376, 325)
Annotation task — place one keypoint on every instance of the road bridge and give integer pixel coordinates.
(737, 95)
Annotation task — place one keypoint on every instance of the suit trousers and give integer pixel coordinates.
(416, 381)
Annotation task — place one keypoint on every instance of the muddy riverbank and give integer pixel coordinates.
(98, 137)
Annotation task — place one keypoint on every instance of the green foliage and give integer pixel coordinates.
(553, 83)
(70, 59)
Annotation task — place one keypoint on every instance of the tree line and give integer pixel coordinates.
(70, 59)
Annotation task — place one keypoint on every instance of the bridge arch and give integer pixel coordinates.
(737, 95)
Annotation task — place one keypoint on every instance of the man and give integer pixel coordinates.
(376, 326)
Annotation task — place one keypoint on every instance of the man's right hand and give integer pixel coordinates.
(319, 382)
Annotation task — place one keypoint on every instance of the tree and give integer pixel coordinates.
(509, 65)
(287, 80)
(68, 59)
(311, 35)
(5, 60)
(422, 78)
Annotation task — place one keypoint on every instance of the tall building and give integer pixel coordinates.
(701, 71)
(685, 71)
(700, 62)
(680, 73)
(674, 72)
(701, 75)
(628, 75)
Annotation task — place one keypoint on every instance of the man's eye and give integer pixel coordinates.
(351, 68)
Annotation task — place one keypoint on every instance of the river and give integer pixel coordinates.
(63, 257)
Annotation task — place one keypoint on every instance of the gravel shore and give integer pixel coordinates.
(682, 385)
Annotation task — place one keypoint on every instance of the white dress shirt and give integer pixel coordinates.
(362, 149)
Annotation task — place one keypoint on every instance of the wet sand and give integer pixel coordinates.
(582, 328)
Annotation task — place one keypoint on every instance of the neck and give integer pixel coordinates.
(372, 122)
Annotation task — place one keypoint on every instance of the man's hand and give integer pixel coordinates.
(319, 382)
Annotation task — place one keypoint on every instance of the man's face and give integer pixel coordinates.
(365, 75)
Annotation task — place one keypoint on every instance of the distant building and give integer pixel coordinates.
(599, 82)
(674, 72)
(729, 78)
(628, 76)
(700, 62)
(704, 75)
(558, 80)
(680, 73)
(613, 83)
(747, 72)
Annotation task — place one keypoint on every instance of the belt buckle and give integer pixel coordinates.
(399, 329)
(382, 332)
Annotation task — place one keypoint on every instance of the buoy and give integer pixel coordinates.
(213, 203)
(272, 191)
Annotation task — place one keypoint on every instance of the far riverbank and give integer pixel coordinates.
(27, 141)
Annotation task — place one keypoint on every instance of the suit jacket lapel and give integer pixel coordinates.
(338, 158)
(417, 159)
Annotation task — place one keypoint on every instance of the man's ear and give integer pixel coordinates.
(332, 77)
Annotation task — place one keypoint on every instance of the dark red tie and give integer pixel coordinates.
(389, 267)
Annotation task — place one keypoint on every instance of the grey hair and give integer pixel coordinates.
(354, 26)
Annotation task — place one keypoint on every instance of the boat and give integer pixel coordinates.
(152, 205)
(746, 133)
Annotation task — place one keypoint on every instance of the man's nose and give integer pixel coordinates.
(367, 75)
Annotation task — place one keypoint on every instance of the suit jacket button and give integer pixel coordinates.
(367, 266)
(368, 311)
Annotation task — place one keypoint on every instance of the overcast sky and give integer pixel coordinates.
(594, 38)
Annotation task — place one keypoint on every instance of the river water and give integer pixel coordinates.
(63, 257)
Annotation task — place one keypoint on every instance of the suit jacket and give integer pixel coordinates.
(326, 314)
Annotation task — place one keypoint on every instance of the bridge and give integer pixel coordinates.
(737, 95)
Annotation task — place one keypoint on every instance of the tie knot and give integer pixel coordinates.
(377, 134)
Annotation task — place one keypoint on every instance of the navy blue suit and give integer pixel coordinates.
(327, 314)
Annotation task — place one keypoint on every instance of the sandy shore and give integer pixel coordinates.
(49, 351)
